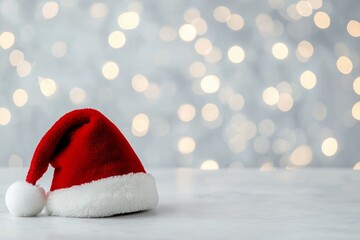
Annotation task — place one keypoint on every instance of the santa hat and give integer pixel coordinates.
(96, 172)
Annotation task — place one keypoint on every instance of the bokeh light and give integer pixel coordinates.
(47, 86)
(7, 40)
(280, 51)
(77, 95)
(304, 50)
(210, 84)
(50, 9)
(214, 56)
(140, 125)
(285, 102)
(203, 46)
(16, 57)
(356, 85)
(209, 165)
(356, 111)
(270, 96)
(140, 83)
(357, 166)
(308, 79)
(129, 20)
(186, 112)
(267, 166)
(322, 20)
(23, 68)
(98, 10)
(236, 54)
(191, 14)
(20, 97)
(221, 13)
(186, 145)
(304, 8)
(353, 28)
(117, 39)
(210, 112)
(235, 22)
(293, 13)
(197, 69)
(187, 32)
(329, 146)
(110, 70)
(5, 116)
(200, 26)
(236, 102)
(344, 65)
(316, 4)
(59, 49)
(301, 156)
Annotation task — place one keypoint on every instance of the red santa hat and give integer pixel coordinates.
(96, 172)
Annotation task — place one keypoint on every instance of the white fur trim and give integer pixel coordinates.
(105, 197)
(24, 199)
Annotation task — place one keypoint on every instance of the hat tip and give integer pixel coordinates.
(24, 199)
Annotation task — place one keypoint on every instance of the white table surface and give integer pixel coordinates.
(226, 204)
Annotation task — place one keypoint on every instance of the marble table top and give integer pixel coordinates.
(225, 204)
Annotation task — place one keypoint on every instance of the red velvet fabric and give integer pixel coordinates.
(83, 146)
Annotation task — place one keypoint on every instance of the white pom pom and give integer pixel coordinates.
(24, 199)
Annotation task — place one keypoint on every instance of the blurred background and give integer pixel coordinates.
(203, 84)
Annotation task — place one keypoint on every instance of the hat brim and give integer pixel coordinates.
(128, 193)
